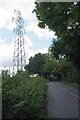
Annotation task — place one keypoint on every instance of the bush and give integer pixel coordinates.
(23, 97)
(68, 71)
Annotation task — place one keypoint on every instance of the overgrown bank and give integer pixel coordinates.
(23, 97)
(71, 75)
(46, 65)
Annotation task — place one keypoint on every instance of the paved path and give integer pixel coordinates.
(62, 101)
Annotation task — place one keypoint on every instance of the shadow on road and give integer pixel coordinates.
(54, 79)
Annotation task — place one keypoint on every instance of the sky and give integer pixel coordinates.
(36, 39)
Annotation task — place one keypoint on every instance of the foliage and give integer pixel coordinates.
(62, 68)
(35, 63)
(41, 64)
(23, 97)
(68, 71)
(74, 85)
(65, 21)
(49, 67)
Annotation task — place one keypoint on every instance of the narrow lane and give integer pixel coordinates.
(62, 101)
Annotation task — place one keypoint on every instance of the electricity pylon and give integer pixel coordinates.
(19, 59)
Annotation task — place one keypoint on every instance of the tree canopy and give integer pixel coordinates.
(35, 63)
(64, 19)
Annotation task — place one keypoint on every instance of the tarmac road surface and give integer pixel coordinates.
(62, 101)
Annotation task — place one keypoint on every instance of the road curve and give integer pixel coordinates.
(62, 101)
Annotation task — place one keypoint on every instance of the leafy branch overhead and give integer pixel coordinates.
(64, 19)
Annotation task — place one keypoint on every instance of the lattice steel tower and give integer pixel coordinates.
(19, 59)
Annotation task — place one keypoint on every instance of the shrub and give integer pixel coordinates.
(23, 97)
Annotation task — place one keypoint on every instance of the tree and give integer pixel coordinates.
(49, 68)
(36, 63)
(65, 21)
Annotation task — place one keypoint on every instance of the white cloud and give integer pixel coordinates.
(1, 42)
(41, 33)
(27, 41)
(6, 52)
(43, 50)
(7, 10)
(32, 53)
(6, 13)
(26, 7)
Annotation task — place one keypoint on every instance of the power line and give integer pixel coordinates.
(19, 59)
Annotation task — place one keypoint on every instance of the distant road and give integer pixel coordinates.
(62, 101)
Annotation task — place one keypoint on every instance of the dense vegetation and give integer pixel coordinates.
(35, 64)
(64, 19)
(23, 96)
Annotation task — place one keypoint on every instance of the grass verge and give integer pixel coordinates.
(74, 85)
